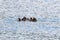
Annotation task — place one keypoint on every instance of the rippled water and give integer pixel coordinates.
(47, 13)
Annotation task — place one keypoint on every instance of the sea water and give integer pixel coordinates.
(47, 13)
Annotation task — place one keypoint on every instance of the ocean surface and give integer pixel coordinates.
(47, 26)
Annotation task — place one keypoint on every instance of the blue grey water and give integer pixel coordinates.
(47, 13)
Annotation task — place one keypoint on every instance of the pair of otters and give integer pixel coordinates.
(33, 19)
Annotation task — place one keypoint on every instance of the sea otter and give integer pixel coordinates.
(24, 19)
(33, 19)
(19, 19)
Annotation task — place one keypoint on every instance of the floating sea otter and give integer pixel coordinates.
(19, 19)
(33, 19)
(24, 19)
